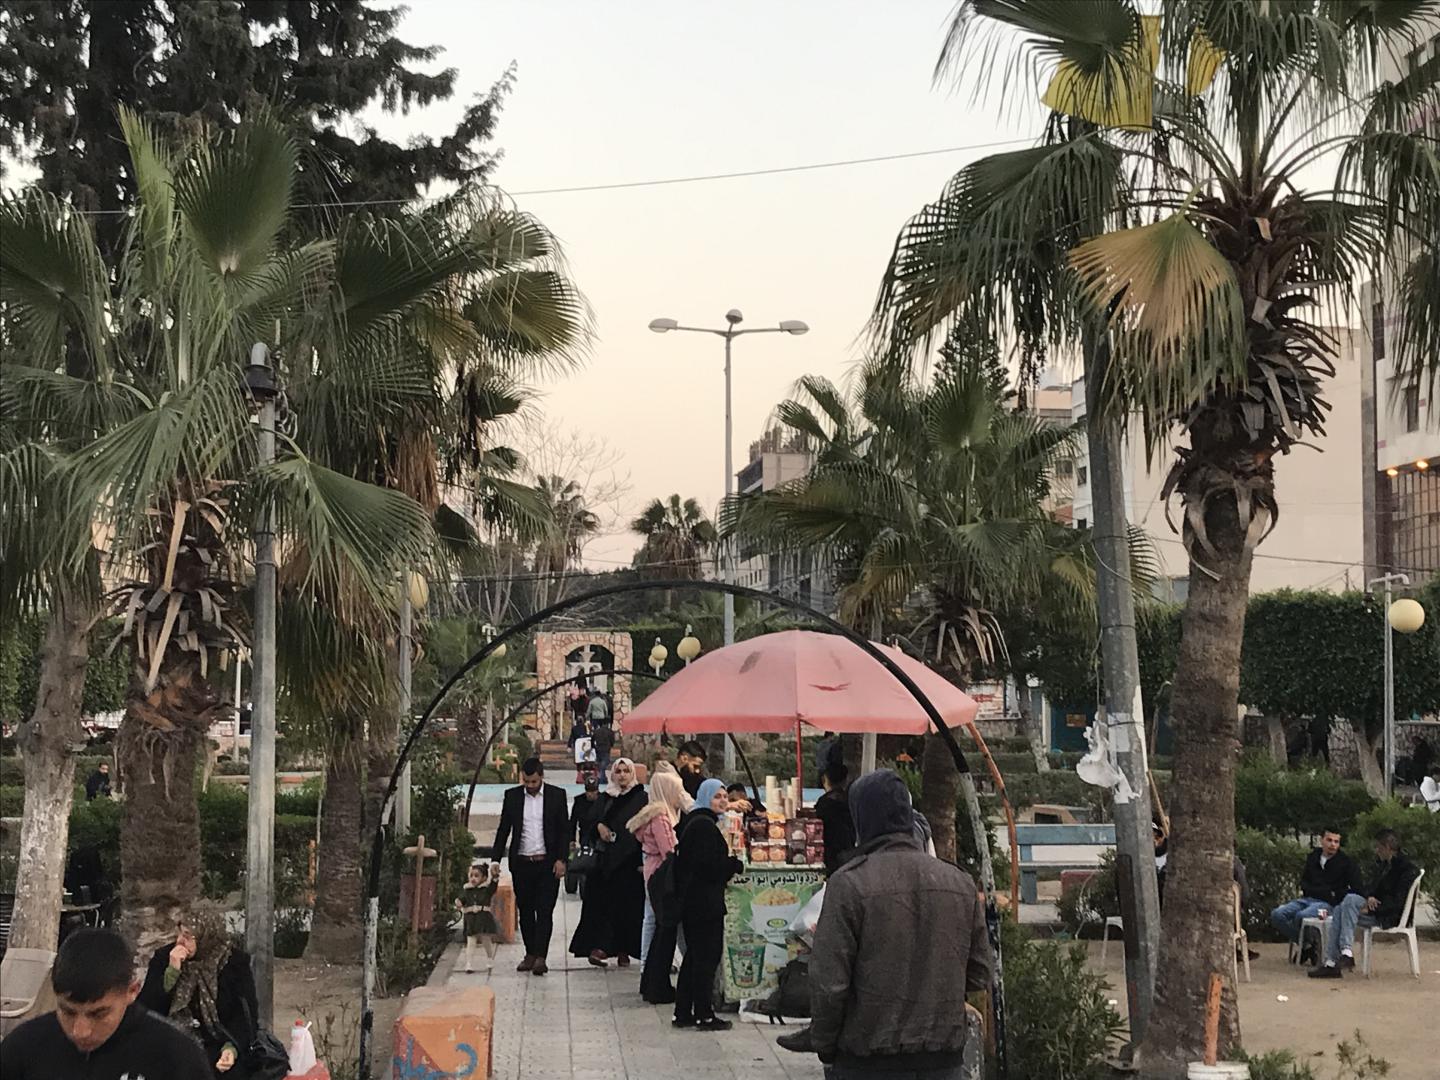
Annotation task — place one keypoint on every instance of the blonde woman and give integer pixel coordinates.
(654, 827)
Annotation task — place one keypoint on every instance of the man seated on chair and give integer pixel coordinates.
(1381, 905)
(1329, 876)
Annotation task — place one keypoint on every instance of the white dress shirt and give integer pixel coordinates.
(1430, 794)
(532, 823)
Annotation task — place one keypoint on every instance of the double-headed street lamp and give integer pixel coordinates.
(733, 319)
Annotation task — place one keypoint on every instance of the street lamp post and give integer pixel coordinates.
(733, 318)
(260, 820)
(1407, 616)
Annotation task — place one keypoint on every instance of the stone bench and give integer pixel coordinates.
(443, 1033)
(1091, 839)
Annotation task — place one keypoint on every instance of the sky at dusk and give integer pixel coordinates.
(618, 92)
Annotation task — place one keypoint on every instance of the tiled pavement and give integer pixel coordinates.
(581, 1023)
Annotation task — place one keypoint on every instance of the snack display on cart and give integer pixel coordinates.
(791, 836)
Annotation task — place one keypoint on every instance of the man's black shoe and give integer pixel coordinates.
(1308, 953)
(797, 1041)
(1326, 971)
(1347, 962)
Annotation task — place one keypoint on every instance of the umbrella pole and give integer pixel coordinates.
(799, 763)
(745, 762)
(1009, 822)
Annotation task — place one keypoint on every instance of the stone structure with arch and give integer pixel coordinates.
(560, 654)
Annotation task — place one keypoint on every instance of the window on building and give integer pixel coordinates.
(1081, 523)
(1412, 407)
(1082, 474)
(1065, 469)
(1377, 330)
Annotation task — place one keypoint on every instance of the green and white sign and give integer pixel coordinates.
(759, 906)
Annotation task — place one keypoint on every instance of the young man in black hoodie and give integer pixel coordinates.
(98, 1031)
(1329, 876)
(1382, 904)
(900, 941)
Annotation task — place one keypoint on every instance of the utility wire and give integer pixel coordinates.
(660, 182)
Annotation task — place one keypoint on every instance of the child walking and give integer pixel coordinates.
(474, 903)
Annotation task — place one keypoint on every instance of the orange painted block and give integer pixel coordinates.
(507, 915)
(445, 1034)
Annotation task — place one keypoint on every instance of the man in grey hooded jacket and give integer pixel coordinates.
(901, 940)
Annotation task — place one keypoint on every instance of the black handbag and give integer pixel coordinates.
(266, 1057)
(588, 860)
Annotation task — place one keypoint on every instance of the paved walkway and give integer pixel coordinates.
(581, 1023)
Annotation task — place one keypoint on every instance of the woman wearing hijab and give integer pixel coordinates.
(654, 828)
(703, 866)
(202, 981)
(614, 905)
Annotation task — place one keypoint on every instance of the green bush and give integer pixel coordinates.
(1059, 1022)
(1353, 1060)
(1419, 832)
(1296, 802)
(1272, 870)
(303, 801)
(1009, 764)
(1060, 786)
(1084, 908)
(292, 933)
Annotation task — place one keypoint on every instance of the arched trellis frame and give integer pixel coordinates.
(536, 695)
(967, 783)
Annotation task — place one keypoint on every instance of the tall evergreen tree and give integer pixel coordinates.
(66, 65)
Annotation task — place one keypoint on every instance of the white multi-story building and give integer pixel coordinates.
(1401, 447)
(778, 457)
(1318, 542)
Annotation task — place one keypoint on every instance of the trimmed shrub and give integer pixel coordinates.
(1300, 803)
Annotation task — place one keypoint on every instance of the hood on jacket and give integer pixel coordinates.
(648, 813)
(880, 804)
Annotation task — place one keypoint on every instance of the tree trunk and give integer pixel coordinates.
(1275, 734)
(336, 933)
(469, 738)
(940, 787)
(382, 746)
(1370, 751)
(1198, 918)
(45, 742)
(158, 750)
(1031, 728)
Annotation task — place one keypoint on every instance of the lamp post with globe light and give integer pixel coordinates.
(1407, 616)
(733, 319)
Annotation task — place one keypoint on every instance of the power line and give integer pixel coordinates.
(660, 182)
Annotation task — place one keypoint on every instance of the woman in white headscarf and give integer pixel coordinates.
(614, 905)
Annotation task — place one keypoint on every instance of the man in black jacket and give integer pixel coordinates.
(1329, 876)
(1381, 904)
(535, 834)
(97, 1030)
(900, 941)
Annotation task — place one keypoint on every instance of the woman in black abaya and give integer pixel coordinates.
(614, 906)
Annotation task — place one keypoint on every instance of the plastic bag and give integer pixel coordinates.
(803, 924)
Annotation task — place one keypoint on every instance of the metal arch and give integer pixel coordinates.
(377, 846)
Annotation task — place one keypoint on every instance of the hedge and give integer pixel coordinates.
(1419, 832)
(1299, 803)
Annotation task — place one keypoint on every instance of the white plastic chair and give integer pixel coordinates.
(1242, 940)
(25, 977)
(1119, 924)
(1321, 927)
(1405, 928)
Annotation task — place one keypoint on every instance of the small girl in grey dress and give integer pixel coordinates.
(474, 904)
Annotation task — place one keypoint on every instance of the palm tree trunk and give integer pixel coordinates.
(1275, 738)
(45, 742)
(158, 750)
(1198, 918)
(382, 746)
(336, 932)
(940, 788)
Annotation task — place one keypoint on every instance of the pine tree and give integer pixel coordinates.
(65, 66)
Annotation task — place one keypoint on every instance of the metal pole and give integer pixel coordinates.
(402, 793)
(1389, 691)
(235, 746)
(1124, 709)
(728, 568)
(260, 834)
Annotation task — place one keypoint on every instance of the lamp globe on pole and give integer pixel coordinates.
(1407, 615)
(689, 647)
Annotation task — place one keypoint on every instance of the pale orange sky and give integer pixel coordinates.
(636, 90)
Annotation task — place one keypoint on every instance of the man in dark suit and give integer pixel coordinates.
(534, 833)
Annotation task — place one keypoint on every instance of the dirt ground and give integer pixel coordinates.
(328, 996)
(1397, 1015)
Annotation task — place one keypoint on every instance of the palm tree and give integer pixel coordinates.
(205, 273)
(928, 499)
(453, 304)
(55, 394)
(1167, 222)
(678, 536)
(572, 524)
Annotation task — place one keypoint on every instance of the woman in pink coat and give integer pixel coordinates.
(654, 828)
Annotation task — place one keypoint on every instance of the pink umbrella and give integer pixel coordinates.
(776, 682)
